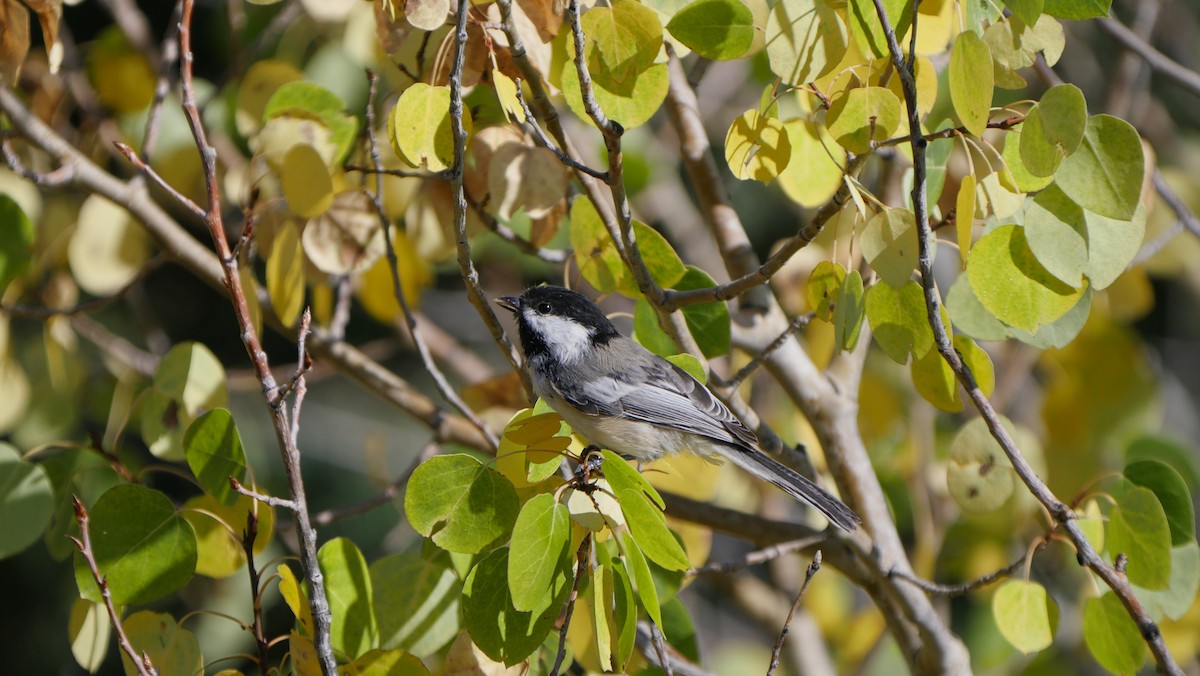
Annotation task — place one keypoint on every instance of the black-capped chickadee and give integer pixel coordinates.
(623, 397)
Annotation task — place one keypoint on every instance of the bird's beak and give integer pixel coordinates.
(510, 303)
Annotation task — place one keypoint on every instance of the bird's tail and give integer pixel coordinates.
(765, 467)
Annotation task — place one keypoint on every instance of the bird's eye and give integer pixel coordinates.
(543, 308)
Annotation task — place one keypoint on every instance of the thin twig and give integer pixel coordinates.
(167, 55)
(431, 367)
(799, 322)
(674, 662)
(248, 537)
(84, 543)
(282, 503)
(581, 560)
(326, 517)
(555, 256)
(759, 556)
(466, 266)
(546, 143)
(660, 648)
(284, 432)
(183, 200)
(1159, 62)
(1059, 511)
(398, 173)
(808, 576)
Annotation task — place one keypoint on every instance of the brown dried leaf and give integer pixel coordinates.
(347, 238)
(529, 178)
(14, 39)
(543, 229)
(429, 221)
(49, 13)
(484, 144)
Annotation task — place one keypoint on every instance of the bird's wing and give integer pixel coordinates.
(669, 396)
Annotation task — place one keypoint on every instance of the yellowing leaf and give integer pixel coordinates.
(374, 287)
(172, 649)
(261, 80)
(347, 238)
(285, 274)
(934, 380)
(868, 32)
(1013, 285)
(631, 102)
(623, 40)
(506, 92)
(971, 81)
(419, 127)
(863, 116)
(306, 182)
(823, 286)
(757, 147)
(108, 247)
(889, 243)
(964, 215)
(293, 594)
(805, 40)
(1026, 615)
(120, 74)
(814, 173)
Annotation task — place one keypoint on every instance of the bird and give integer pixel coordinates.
(620, 396)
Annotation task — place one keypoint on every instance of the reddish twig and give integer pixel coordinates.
(84, 544)
(248, 537)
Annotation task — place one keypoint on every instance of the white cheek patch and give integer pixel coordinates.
(566, 339)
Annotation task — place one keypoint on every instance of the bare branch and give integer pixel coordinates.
(1161, 63)
(808, 576)
(581, 561)
(1059, 511)
(389, 493)
(546, 143)
(281, 503)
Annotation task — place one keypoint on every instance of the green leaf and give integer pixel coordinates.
(192, 375)
(690, 364)
(1061, 331)
(624, 39)
(419, 127)
(1013, 285)
(971, 81)
(1057, 235)
(596, 255)
(1013, 161)
(219, 552)
(501, 631)
(1063, 117)
(970, 316)
(623, 476)
(631, 102)
(678, 629)
(213, 449)
(977, 360)
(1172, 493)
(935, 381)
(890, 245)
(1111, 635)
(416, 599)
(898, 321)
(639, 570)
(714, 29)
(385, 663)
(1112, 245)
(1025, 10)
(599, 593)
(172, 649)
(1180, 593)
(348, 588)
(757, 147)
(1077, 9)
(16, 241)
(1138, 528)
(660, 258)
(979, 475)
(848, 313)
(1180, 456)
(141, 546)
(465, 506)
(1105, 174)
(824, 285)
(709, 323)
(541, 539)
(311, 99)
(26, 502)
(624, 616)
(1039, 157)
(1025, 615)
(649, 529)
(805, 40)
(647, 331)
(860, 117)
(868, 32)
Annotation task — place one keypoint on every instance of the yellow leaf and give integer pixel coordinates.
(506, 91)
(285, 274)
(258, 84)
(525, 178)
(421, 129)
(964, 215)
(293, 595)
(281, 133)
(108, 247)
(757, 147)
(813, 174)
(374, 287)
(123, 79)
(306, 182)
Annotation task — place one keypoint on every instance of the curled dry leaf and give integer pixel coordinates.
(484, 145)
(429, 221)
(347, 238)
(14, 38)
(49, 13)
(528, 178)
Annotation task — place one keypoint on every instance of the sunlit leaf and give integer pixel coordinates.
(757, 147)
(108, 248)
(1013, 285)
(384, 663)
(295, 597)
(89, 631)
(348, 588)
(979, 475)
(420, 127)
(219, 552)
(1026, 615)
(714, 29)
(141, 545)
(346, 238)
(1105, 173)
(863, 116)
(261, 80)
(631, 103)
(866, 29)
(465, 506)
(898, 320)
(426, 15)
(1077, 9)
(540, 541)
(1057, 235)
(813, 173)
(649, 530)
(805, 40)
(311, 99)
(971, 81)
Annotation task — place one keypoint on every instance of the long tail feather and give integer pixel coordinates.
(765, 467)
